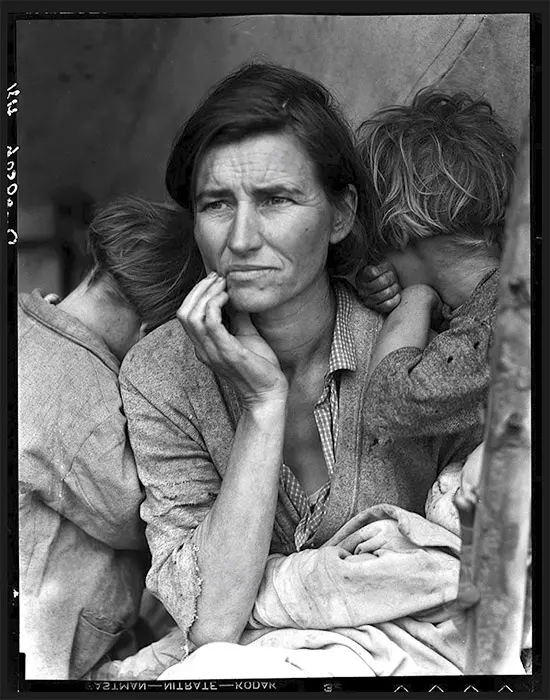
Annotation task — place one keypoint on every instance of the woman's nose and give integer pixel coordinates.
(245, 233)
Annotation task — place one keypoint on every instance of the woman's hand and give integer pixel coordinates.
(234, 537)
(378, 287)
(241, 356)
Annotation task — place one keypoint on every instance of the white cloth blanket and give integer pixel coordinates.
(379, 587)
(372, 601)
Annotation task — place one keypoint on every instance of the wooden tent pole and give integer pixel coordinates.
(501, 527)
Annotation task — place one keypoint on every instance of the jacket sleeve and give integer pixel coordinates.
(181, 484)
(100, 491)
(383, 571)
(435, 392)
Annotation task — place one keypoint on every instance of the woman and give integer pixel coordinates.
(247, 418)
(83, 554)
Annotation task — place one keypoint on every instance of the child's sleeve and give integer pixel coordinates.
(436, 391)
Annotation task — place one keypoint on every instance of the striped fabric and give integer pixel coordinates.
(310, 511)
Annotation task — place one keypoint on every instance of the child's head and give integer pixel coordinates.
(138, 249)
(443, 165)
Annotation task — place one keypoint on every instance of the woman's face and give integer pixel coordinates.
(263, 220)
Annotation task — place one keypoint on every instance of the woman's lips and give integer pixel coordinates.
(245, 274)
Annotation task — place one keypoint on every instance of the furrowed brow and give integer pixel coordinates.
(279, 188)
(213, 193)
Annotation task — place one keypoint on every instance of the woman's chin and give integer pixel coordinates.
(251, 301)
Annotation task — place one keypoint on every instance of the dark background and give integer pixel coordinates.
(103, 98)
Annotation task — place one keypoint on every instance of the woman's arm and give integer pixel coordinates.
(210, 540)
(233, 540)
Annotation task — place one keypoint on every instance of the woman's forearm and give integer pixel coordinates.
(234, 539)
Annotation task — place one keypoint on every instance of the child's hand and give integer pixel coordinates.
(52, 298)
(378, 287)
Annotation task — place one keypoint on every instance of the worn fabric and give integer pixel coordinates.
(345, 609)
(82, 553)
(369, 602)
(145, 665)
(386, 563)
(310, 508)
(363, 604)
(346, 579)
(442, 389)
(182, 421)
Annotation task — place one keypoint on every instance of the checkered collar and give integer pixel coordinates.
(342, 351)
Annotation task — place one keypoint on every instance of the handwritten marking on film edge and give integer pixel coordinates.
(12, 187)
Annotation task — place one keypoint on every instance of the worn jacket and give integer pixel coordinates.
(182, 421)
(82, 546)
(441, 389)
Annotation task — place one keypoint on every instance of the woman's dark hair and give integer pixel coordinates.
(441, 165)
(264, 98)
(141, 249)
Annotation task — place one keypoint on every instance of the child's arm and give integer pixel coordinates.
(438, 390)
(408, 325)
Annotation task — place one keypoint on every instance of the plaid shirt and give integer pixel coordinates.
(309, 511)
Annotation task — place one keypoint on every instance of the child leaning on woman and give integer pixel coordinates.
(443, 171)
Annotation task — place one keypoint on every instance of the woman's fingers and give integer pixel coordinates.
(203, 321)
(195, 295)
(241, 324)
(192, 311)
(223, 344)
(242, 355)
(213, 311)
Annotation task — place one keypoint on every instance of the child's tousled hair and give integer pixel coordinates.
(443, 165)
(140, 249)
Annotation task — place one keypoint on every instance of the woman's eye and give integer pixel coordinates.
(214, 206)
(278, 200)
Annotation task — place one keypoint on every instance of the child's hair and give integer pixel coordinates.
(443, 165)
(140, 249)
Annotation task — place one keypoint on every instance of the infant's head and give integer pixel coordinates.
(440, 507)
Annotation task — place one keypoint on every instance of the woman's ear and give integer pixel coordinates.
(344, 215)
